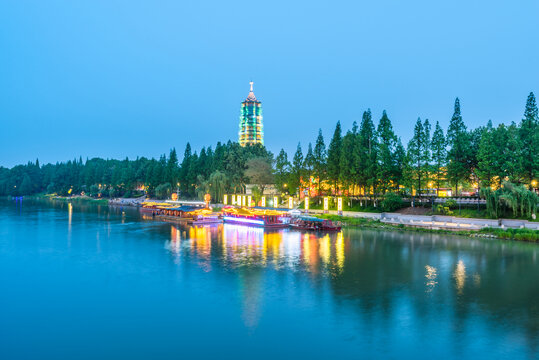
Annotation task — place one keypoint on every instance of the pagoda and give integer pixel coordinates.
(251, 128)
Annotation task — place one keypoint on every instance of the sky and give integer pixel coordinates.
(118, 79)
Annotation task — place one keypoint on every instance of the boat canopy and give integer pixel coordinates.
(311, 218)
(184, 208)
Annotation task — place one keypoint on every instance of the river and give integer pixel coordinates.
(81, 281)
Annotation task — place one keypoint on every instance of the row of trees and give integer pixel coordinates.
(367, 159)
(372, 159)
(216, 171)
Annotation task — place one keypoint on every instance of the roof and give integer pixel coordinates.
(311, 218)
(184, 208)
(251, 96)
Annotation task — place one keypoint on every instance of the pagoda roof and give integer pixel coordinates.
(251, 97)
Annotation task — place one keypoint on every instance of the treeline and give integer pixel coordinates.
(367, 159)
(216, 171)
(371, 159)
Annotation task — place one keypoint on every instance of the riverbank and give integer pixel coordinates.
(519, 234)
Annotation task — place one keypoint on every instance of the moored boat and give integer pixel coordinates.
(311, 223)
(190, 215)
(268, 219)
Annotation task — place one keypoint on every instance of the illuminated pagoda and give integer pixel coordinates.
(251, 128)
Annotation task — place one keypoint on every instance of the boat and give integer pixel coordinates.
(311, 223)
(191, 215)
(153, 208)
(267, 218)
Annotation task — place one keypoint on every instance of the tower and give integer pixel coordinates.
(251, 128)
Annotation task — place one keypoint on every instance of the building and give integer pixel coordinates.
(251, 128)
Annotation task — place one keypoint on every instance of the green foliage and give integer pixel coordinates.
(320, 159)
(369, 160)
(451, 203)
(334, 157)
(392, 202)
(510, 198)
(458, 140)
(443, 210)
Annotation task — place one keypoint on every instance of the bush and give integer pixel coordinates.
(443, 210)
(451, 203)
(392, 202)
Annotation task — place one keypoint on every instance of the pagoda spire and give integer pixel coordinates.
(251, 96)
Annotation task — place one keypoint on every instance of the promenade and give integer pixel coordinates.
(438, 221)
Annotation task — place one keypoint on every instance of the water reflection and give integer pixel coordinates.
(388, 290)
(431, 275)
(240, 246)
(372, 271)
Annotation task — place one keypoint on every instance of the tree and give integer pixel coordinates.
(334, 156)
(217, 183)
(400, 164)
(296, 172)
(282, 168)
(457, 137)
(425, 152)
(308, 163)
(348, 160)
(387, 141)
(185, 165)
(320, 159)
(367, 153)
(259, 172)
(529, 140)
(172, 168)
(416, 156)
(439, 153)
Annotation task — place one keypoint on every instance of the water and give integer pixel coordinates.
(92, 282)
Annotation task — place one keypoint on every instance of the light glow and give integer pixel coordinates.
(326, 204)
(291, 203)
(339, 204)
(225, 199)
(243, 220)
(306, 203)
(263, 201)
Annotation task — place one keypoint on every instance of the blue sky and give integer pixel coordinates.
(127, 78)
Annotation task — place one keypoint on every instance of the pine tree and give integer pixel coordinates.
(529, 140)
(367, 153)
(415, 155)
(400, 165)
(426, 153)
(347, 160)
(334, 156)
(184, 169)
(439, 153)
(297, 171)
(282, 168)
(387, 141)
(172, 168)
(320, 159)
(457, 138)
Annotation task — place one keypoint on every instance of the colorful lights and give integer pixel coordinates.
(251, 127)
(243, 220)
(307, 203)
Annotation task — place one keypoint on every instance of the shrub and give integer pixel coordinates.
(451, 203)
(392, 202)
